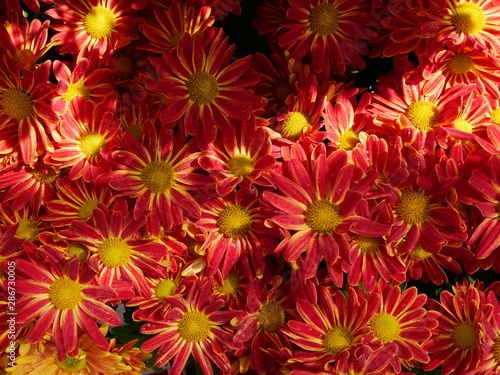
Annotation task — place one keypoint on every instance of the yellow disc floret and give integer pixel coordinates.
(461, 63)
(165, 288)
(337, 339)
(16, 103)
(99, 22)
(234, 221)
(158, 177)
(293, 125)
(468, 18)
(194, 326)
(77, 89)
(202, 88)
(74, 363)
(324, 19)
(423, 115)
(114, 252)
(385, 327)
(65, 293)
(465, 335)
(241, 165)
(271, 316)
(91, 143)
(322, 217)
(27, 230)
(413, 207)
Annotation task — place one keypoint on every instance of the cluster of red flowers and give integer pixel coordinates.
(259, 214)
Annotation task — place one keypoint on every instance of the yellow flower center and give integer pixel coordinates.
(27, 230)
(385, 327)
(322, 217)
(292, 126)
(368, 245)
(99, 22)
(65, 293)
(423, 115)
(158, 177)
(114, 252)
(419, 253)
(495, 116)
(461, 63)
(231, 285)
(17, 104)
(202, 88)
(271, 316)
(465, 336)
(496, 350)
(165, 288)
(48, 178)
(281, 91)
(348, 140)
(413, 207)
(468, 18)
(76, 89)
(74, 363)
(76, 248)
(241, 165)
(194, 326)
(337, 339)
(86, 209)
(90, 144)
(234, 221)
(463, 125)
(324, 19)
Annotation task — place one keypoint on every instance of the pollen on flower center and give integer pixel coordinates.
(292, 126)
(348, 140)
(165, 288)
(65, 293)
(324, 19)
(465, 336)
(194, 326)
(495, 116)
(423, 115)
(27, 230)
(17, 104)
(47, 178)
(158, 177)
(90, 144)
(241, 165)
(271, 316)
(322, 217)
(337, 339)
(496, 350)
(463, 125)
(385, 327)
(74, 363)
(114, 252)
(234, 221)
(461, 63)
(420, 253)
(76, 89)
(413, 207)
(468, 18)
(76, 248)
(368, 245)
(99, 22)
(231, 285)
(86, 209)
(202, 88)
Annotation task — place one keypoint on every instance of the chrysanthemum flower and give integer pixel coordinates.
(321, 211)
(194, 326)
(116, 250)
(24, 105)
(76, 200)
(241, 158)
(86, 130)
(203, 86)
(85, 79)
(62, 295)
(236, 232)
(491, 360)
(25, 42)
(333, 31)
(171, 23)
(130, 356)
(90, 359)
(26, 185)
(271, 16)
(472, 23)
(103, 25)
(158, 174)
(401, 319)
(457, 342)
(331, 330)
(261, 325)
